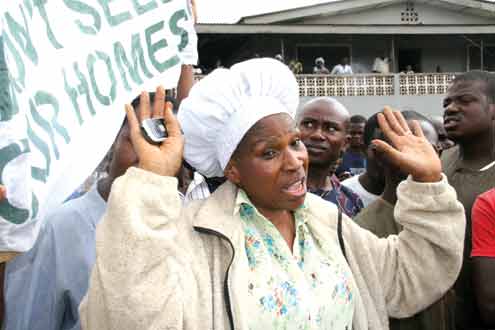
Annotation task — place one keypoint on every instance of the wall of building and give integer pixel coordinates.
(427, 14)
(430, 105)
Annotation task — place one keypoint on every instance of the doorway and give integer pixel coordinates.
(410, 57)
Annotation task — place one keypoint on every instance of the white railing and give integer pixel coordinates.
(352, 85)
(425, 83)
(372, 84)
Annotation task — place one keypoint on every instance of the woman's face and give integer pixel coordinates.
(271, 163)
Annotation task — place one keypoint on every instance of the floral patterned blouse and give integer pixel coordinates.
(293, 290)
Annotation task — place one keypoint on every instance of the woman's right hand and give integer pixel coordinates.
(164, 159)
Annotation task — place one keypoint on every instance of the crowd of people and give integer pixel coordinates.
(253, 215)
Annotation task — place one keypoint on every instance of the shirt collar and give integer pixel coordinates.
(244, 206)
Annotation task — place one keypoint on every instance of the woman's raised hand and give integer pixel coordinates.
(164, 159)
(410, 150)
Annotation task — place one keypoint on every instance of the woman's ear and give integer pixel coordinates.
(232, 173)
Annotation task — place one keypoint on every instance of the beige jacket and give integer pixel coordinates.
(163, 266)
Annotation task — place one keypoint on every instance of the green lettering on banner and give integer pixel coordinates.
(155, 47)
(177, 30)
(142, 9)
(45, 125)
(114, 20)
(7, 106)
(137, 55)
(75, 92)
(37, 173)
(8, 211)
(20, 81)
(44, 98)
(40, 4)
(22, 36)
(29, 7)
(83, 8)
(166, 1)
(10, 102)
(105, 100)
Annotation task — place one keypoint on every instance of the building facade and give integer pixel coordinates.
(435, 39)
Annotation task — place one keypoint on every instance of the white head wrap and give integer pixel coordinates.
(223, 106)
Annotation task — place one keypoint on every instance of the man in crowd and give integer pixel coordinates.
(323, 123)
(483, 255)
(45, 286)
(444, 142)
(369, 185)
(320, 67)
(379, 219)
(468, 117)
(354, 159)
(343, 67)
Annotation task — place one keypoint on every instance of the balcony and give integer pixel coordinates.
(373, 84)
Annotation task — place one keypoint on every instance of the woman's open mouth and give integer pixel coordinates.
(296, 189)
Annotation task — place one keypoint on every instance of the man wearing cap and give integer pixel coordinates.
(320, 67)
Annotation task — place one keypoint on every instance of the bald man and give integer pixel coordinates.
(323, 123)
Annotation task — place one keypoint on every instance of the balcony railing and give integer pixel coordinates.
(425, 83)
(354, 85)
(373, 84)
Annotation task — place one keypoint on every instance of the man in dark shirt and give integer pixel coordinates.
(469, 111)
(323, 123)
(354, 158)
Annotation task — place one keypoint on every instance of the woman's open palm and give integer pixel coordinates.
(409, 150)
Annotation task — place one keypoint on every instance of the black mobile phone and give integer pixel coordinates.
(154, 130)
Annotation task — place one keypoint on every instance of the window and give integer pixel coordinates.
(474, 57)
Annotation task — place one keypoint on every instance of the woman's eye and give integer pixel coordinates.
(331, 129)
(269, 154)
(308, 125)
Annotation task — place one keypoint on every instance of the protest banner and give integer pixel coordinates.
(67, 67)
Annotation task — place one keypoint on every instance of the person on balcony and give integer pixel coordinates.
(469, 111)
(320, 67)
(408, 70)
(323, 123)
(296, 66)
(342, 68)
(381, 65)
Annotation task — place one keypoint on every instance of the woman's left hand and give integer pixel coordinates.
(410, 150)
